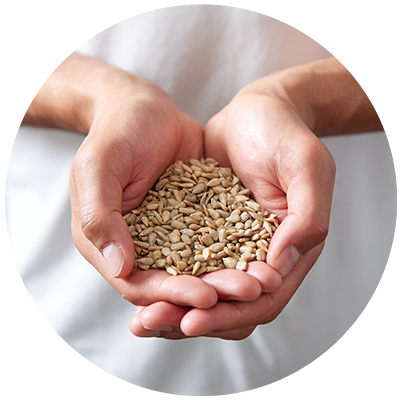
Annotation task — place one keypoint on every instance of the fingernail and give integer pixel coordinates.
(197, 334)
(164, 328)
(114, 258)
(151, 334)
(287, 259)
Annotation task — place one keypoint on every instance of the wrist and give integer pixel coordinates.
(324, 95)
(78, 90)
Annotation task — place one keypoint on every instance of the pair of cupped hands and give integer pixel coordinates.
(136, 132)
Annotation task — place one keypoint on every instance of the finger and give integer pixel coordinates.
(146, 287)
(309, 180)
(135, 325)
(163, 316)
(152, 321)
(96, 199)
(227, 316)
(231, 284)
(268, 277)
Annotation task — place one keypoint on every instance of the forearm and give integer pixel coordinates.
(75, 91)
(325, 95)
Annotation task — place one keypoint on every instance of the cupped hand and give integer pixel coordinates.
(265, 139)
(229, 320)
(136, 133)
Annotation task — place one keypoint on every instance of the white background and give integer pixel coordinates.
(66, 329)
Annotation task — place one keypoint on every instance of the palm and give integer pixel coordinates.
(250, 140)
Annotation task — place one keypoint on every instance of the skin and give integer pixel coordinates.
(134, 130)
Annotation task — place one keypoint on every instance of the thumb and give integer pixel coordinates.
(309, 199)
(99, 230)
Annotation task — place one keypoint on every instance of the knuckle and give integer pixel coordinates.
(320, 231)
(91, 224)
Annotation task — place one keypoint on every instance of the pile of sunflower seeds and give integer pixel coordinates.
(199, 218)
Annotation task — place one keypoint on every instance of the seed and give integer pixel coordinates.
(229, 262)
(181, 265)
(206, 254)
(186, 253)
(146, 231)
(146, 261)
(172, 271)
(178, 224)
(187, 210)
(166, 215)
(260, 254)
(199, 218)
(216, 247)
(222, 235)
(196, 267)
(214, 182)
(160, 263)
(152, 239)
(200, 271)
(177, 246)
(241, 265)
(207, 240)
(233, 218)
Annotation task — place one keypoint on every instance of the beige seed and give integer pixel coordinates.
(160, 263)
(166, 251)
(152, 206)
(247, 257)
(246, 249)
(199, 218)
(186, 253)
(142, 245)
(207, 240)
(187, 210)
(176, 257)
(175, 236)
(166, 215)
(206, 254)
(196, 267)
(229, 262)
(241, 265)
(146, 231)
(198, 188)
(233, 218)
(178, 224)
(152, 239)
(177, 246)
(214, 182)
(181, 265)
(146, 261)
(200, 271)
(222, 235)
(260, 254)
(171, 270)
(216, 247)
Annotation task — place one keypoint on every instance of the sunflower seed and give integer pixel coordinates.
(199, 218)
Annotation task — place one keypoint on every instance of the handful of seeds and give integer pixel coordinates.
(197, 219)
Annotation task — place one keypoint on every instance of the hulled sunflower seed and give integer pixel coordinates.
(199, 218)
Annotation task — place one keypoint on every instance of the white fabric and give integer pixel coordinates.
(201, 55)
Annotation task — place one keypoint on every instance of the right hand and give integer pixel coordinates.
(135, 133)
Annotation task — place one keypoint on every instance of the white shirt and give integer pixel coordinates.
(201, 55)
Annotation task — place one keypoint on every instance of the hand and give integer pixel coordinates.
(229, 320)
(264, 138)
(136, 132)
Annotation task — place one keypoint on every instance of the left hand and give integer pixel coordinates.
(263, 137)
